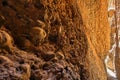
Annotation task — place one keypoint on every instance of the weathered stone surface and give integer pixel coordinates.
(117, 53)
(94, 15)
(76, 33)
(110, 62)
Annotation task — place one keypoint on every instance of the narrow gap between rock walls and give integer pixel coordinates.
(110, 58)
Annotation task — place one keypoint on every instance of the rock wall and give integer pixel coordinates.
(53, 39)
(95, 18)
(117, 51)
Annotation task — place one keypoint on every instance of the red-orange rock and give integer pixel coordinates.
(78, 29)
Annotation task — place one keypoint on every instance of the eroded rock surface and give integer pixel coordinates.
(74, 43)
(95, 18)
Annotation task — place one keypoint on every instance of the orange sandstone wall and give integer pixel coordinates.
(75, 43)
(94, 15)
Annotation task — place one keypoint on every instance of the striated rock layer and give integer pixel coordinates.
(53, 39)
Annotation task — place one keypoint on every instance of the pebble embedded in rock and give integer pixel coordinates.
(59, 55)
(37, 35)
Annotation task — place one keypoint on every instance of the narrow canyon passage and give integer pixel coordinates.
(112, 60)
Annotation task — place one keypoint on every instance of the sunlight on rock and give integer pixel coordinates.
(111, 73)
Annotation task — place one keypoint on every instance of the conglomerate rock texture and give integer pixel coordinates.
(53, 39)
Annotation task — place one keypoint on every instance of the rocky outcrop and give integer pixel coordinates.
(94, 15)
(54, 39)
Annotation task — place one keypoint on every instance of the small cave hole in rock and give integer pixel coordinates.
(4, 2)
(1, 61)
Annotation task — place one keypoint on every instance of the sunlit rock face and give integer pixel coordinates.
(74, 44)
(95, 17)
(110, 59)
(111, 4)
